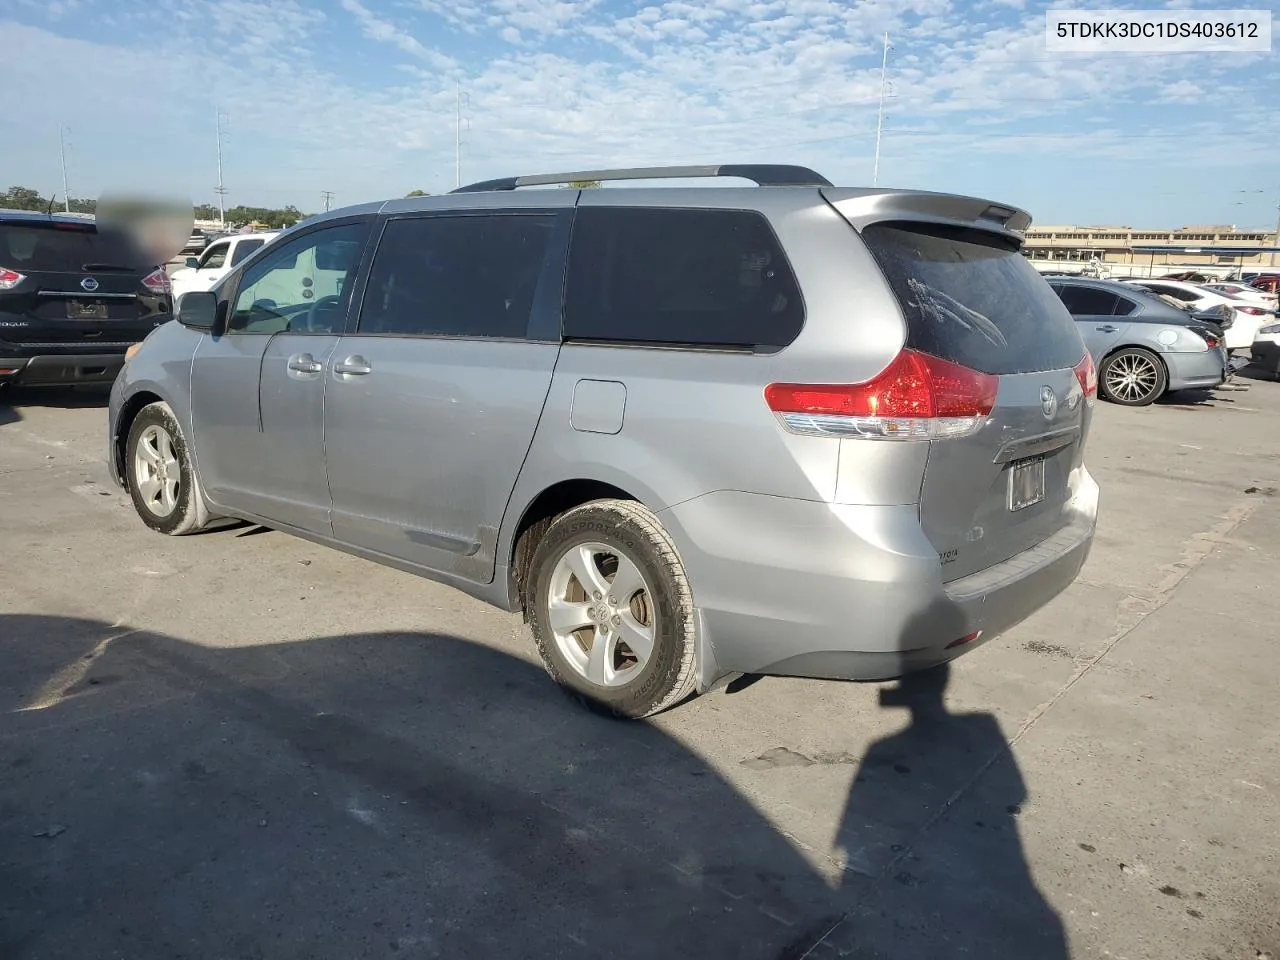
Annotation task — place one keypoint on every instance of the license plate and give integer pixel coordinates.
(1026, 483)
(76, 310)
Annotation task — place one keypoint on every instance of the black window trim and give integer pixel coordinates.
(546, 314)
(229, 288)
(738, 349)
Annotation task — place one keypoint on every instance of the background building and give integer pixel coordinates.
(1125, 251)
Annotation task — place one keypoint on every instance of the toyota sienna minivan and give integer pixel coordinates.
(689, 432)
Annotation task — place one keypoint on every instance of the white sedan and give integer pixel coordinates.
(1247, 316)
(1241, 291)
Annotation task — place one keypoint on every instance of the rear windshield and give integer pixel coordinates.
(972, 298)
(65, 248)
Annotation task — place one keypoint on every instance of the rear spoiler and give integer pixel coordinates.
(864, 207)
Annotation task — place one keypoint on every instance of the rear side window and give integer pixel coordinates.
(243, 249)
(970, 297)
(65, 248)
(1175, 292)
(1088, 301)
(463, 276)
(673, 276)
(1124, 306)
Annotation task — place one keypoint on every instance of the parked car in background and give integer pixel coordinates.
(644, 418)
(196, 242)
(1266, 348)
(73, 298)
(219, 258)
(1268, 283)
(1143, 346)
(1248, 317)
(1251, 295)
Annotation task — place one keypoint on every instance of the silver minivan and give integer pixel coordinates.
(690, 432)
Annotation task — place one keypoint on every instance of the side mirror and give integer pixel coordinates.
(193, 261)
(198, 310)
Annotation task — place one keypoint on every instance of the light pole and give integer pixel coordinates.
(884, 66)
(62, 149)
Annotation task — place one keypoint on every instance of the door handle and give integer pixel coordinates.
(1107, 328)
(305, 363)
(353, 366)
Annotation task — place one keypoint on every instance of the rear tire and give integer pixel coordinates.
(160, 475)
(1133, 377)
(625, 648)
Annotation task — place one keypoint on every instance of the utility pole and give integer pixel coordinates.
(62, 149)
(220, 190)
(457, 140)
(328, 195)
(884, 66)
(1275, 241)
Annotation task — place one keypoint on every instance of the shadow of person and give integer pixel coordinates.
(930, 839)
(8, 412)
(371, 795)
(82, 397)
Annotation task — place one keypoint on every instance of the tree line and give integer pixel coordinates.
(24, 198)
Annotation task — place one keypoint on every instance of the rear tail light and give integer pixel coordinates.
(1208, 337)
(1252, 311)
(917, 397)
(967, 638)
(1087, 374)
(10, 278)
(157, 281)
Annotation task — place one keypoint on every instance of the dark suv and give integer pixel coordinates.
(73, 298)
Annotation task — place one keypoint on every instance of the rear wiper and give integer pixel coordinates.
(107, 266)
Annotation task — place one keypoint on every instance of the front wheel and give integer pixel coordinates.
(1133, 377)
(611, 609)
(161, 478)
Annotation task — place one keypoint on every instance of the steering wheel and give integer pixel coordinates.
(324, 303)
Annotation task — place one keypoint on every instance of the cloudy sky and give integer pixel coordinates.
(358, 97)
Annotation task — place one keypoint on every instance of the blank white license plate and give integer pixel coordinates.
(1026, 483)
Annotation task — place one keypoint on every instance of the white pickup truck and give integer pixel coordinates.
(218, 259)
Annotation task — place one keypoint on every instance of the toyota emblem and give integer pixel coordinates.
(89, 284)
(1048, 402)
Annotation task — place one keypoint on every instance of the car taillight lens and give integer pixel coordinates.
(917, 397)
(157, 282)
(10, 278)
(1087, 374)
(1252, 311)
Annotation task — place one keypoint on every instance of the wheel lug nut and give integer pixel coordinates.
(613, 602)
(617, 620)
(597, 594)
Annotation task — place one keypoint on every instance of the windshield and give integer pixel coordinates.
(969, 296)
(65, 248)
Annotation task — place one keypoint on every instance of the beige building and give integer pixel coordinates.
(1218, 248)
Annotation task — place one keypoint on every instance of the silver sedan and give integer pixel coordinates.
(1143, 346)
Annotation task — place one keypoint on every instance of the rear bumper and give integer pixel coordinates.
(61, 369)
(1191, 371)
(801, 588)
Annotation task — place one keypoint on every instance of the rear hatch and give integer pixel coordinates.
(71, 284)
(969, 297)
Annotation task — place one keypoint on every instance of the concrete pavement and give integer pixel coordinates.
(242, 745)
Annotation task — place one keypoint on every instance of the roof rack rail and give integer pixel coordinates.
(762, 174)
